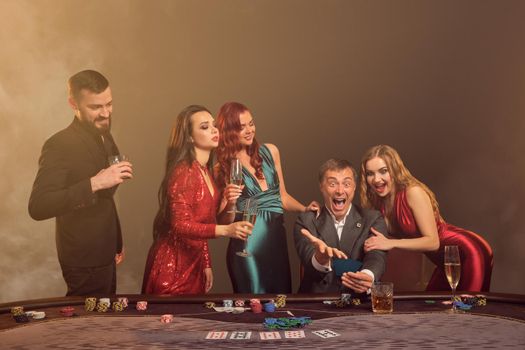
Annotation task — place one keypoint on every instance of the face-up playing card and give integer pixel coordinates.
(217, 335)
(269, 335)
(294, 334)
(241, 335)
(326, 333)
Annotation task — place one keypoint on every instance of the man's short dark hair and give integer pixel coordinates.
(87, 80)
(336, 164)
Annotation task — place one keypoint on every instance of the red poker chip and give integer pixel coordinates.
(67, 311)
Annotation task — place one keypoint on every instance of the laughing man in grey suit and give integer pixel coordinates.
(340, 231)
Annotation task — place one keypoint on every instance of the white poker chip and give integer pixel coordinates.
(38, 315)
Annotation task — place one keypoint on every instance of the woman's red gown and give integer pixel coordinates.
(475, 253)
(176, 262)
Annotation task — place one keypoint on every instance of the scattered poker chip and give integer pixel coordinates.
(255, 301)
(355, 301)
(38, 315)
(168, 318)
(209, 305)
(346, 297)
(142, 305)
(345, 300)
(17, 310)
(239, 302)
(461, 305)
(340, 303)
(22, 318)
(466, 302)
(67, 311)
(227, 303)
(286, 322)
(256, 308)
(269, 306)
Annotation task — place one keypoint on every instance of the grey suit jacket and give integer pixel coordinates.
(355, 232)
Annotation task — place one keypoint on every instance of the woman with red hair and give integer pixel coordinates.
(267, 270)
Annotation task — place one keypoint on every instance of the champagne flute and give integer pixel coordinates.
(452, 269)
(236, 172)
(236, 176)
(250, 215)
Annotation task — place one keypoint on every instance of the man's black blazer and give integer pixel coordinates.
(87, 225)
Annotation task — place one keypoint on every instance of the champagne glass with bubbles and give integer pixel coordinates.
(250, 215)
(236, 172)
(452, 269)
(236, 176)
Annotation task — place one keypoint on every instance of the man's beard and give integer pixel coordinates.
(91, 125)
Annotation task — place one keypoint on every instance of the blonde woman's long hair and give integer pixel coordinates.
(400, 175)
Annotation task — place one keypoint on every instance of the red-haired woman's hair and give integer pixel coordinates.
(229, 126)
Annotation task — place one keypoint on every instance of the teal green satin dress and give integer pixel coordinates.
(268, 269)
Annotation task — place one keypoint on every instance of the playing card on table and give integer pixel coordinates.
(217, 335)
(326, 333)
(269, 335)
(241, 335)
(294, 334)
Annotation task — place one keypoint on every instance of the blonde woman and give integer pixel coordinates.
(414, 222)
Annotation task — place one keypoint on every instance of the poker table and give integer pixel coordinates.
(419, 320)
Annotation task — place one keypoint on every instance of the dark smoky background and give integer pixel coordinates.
(441, 81)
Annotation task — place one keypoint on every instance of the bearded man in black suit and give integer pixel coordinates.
(338, 231)
(75, 184)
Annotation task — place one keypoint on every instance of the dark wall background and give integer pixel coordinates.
(441, 81)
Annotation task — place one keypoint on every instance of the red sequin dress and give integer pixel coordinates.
(475, 253)
(177, 261)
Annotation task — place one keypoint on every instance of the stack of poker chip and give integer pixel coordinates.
(17, 310)
(255, 305)
(269, 306)
(481, 300)
(124, 301)
(67, 311)
(239, 303)
(168, 318)
(280, 300)
(117, 306)
(209, 305)
(227, 303)
(356, 301)
(18, 314)
(90, 304)
(103, 305)
(142, 305)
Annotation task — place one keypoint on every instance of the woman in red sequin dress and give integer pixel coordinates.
(414, 222)
(179, 260)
